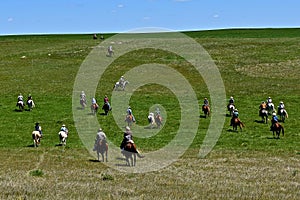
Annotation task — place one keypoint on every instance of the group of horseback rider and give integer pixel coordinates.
(127, 138)
(29, 102)
(269, 108)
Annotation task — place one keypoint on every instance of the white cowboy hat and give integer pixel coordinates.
(100, 129)
(127, 128)
(281, 102)
(231, 97)
(273, 113)
(63, 125)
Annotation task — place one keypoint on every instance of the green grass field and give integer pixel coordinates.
(249, 164)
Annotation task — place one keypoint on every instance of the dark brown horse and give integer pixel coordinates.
(130, 152)
(237, 122)
(206, 110)
(277, 128)
(102, 148)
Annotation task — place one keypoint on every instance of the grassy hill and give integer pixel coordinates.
(249, 164)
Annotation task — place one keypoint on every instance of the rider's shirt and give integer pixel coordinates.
(100, 136)
(274, 119)
(20, 98)
(235, 114)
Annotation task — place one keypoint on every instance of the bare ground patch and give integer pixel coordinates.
(223, 175)
(289, 69)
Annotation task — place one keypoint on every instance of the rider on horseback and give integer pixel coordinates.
(127, 137)
(274, 121)
(231, 102)
(100, 136)
(129, 112)
(122, 80)
(281, 106)
(64, 129)
(106, 101)
(82, 95)
(205, 103)
(262, 107)
(20, 99)
(235, 115)
(38, 128)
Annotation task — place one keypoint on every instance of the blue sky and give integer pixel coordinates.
(103, 16)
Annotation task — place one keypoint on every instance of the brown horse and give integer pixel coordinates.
(102, 148)
(158, 120)
(237, 122)
(206, 110)
(129, 120)
(277, 128)
(130, 152)
(94, 108)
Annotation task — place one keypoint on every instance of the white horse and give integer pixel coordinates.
(30, 104)
(283, 114)
(120, 85)
(36, 136)
(83, 102)
(63, 137)
(21, 105)
(231, 108)
(270, 107)
(151, 120)
(110, 51)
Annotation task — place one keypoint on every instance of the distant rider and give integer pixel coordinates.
(274, 120)
(38, 128)
(235, 115)
(99, 136)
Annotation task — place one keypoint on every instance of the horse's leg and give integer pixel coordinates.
(134, 159)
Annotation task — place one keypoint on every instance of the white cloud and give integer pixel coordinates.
(215, 16)
(120, 6)
(10, 19)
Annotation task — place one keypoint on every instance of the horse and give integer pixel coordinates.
(237, 122)
(151, 120)
(206, 110)
(129, 120)
(230, 108)
(63, 137)
(120, 85)
(102, 148)
(270, 107)
(110, 51)
(106, 107)
(158, 120)
(130, 152)
(264, 115)
(21, 105)
(30, 104)
(36, 136)
(277, 128)
(282, 114)
(94, 108)
(83, 102)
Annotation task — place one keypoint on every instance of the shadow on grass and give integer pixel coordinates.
(260, 121)
(273, 138)
(94, 160)
(203, 116)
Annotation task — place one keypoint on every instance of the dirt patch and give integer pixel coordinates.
(289, 69)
